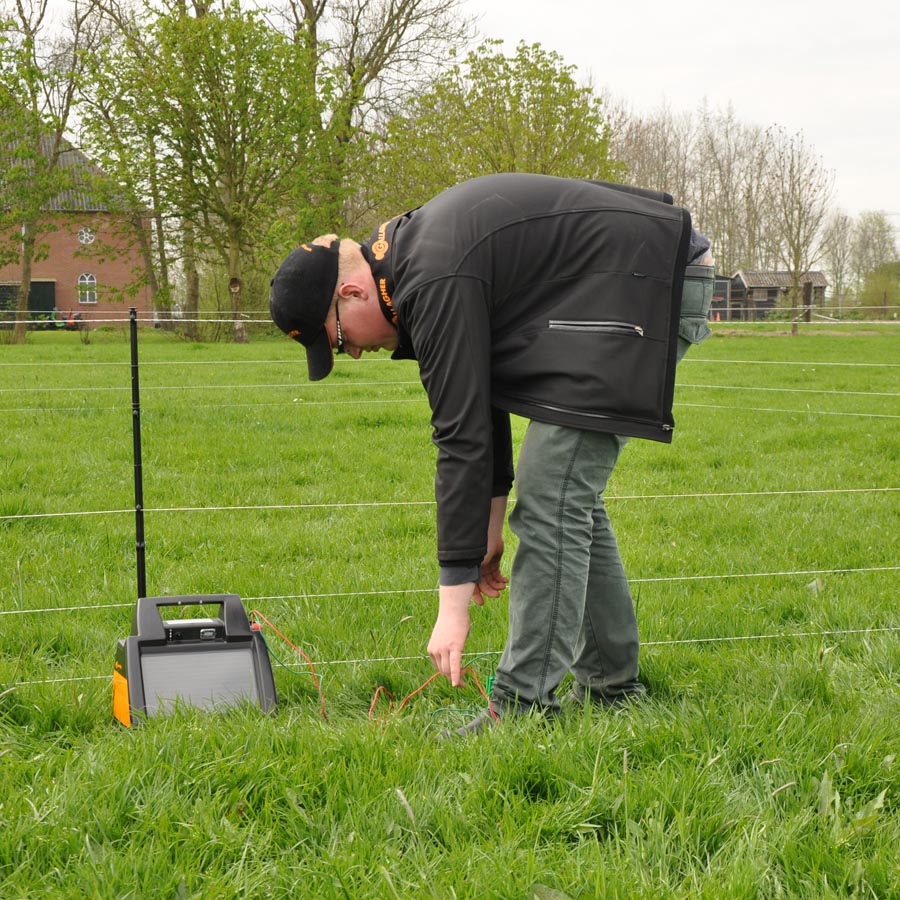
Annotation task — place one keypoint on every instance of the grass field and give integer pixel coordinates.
(763, 549)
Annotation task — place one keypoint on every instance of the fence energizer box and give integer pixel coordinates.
(214, 662)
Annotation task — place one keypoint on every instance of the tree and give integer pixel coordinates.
(881, 288)
(658, 151)
(219, 99)
(714, 165)
(39, 79)
(874, 247)
(491, 113)
(365, 58)
(801, 190)
(235, 127)
(125, 145)
(837, 243)
(732, 209)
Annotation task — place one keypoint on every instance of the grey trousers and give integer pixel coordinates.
(569, 602)
(570, 607)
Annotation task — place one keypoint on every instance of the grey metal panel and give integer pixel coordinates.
(200, 678)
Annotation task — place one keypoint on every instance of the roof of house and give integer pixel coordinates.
(84, 194)
(778, 279)
(83, 191)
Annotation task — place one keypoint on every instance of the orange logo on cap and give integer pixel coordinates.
(381, 246)
(293, 334)
(306, 247)
(382, 289)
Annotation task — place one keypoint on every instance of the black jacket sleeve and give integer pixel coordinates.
(449, 326)
(503, 453)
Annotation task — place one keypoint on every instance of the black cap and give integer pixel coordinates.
(300, 299)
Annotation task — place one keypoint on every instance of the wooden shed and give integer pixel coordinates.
(754, 295)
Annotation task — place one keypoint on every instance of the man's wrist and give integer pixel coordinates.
(454, 599)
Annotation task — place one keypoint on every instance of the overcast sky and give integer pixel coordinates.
(829, 69)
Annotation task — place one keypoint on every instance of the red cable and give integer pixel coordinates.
(483, 693)
(381, 689)
(257, 614)
(424, 685)
(421, 687)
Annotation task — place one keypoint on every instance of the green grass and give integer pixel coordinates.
(765, 767)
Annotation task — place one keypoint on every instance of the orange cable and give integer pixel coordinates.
(255, 613)
(421, 687)
(381, 689)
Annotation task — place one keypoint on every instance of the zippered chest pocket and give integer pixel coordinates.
(586, 326)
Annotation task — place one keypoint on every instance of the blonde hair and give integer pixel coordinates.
(349, 257)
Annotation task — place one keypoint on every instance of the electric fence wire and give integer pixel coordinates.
(367, 504)
(108, 318)
(432, 590)
(752, 389)
(318, 388)
(208, 387)
(296, 360)
(396, 401)
(720, 639)
(670, 642)
(300, 402)
(795, 412)
(194, 363)
(257, 317)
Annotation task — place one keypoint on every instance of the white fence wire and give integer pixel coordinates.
(329, 388)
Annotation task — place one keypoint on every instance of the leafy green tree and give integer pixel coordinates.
(490, 113)
(211, 114)
(881, 290)
(234, 126)
(874, 245)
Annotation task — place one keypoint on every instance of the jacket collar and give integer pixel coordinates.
(377, 251)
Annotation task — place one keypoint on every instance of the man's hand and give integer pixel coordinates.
(492, 579)
(448, 640)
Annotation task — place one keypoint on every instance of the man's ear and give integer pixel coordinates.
(352, 288)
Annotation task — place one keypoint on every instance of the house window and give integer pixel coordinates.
(87, 288)
(86, 236)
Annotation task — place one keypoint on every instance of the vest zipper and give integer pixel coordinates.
(625, 328)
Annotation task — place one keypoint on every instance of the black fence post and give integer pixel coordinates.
(138, 471)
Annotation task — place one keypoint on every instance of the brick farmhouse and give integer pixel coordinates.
(89, 264)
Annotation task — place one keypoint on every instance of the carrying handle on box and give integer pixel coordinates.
(148, 623)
